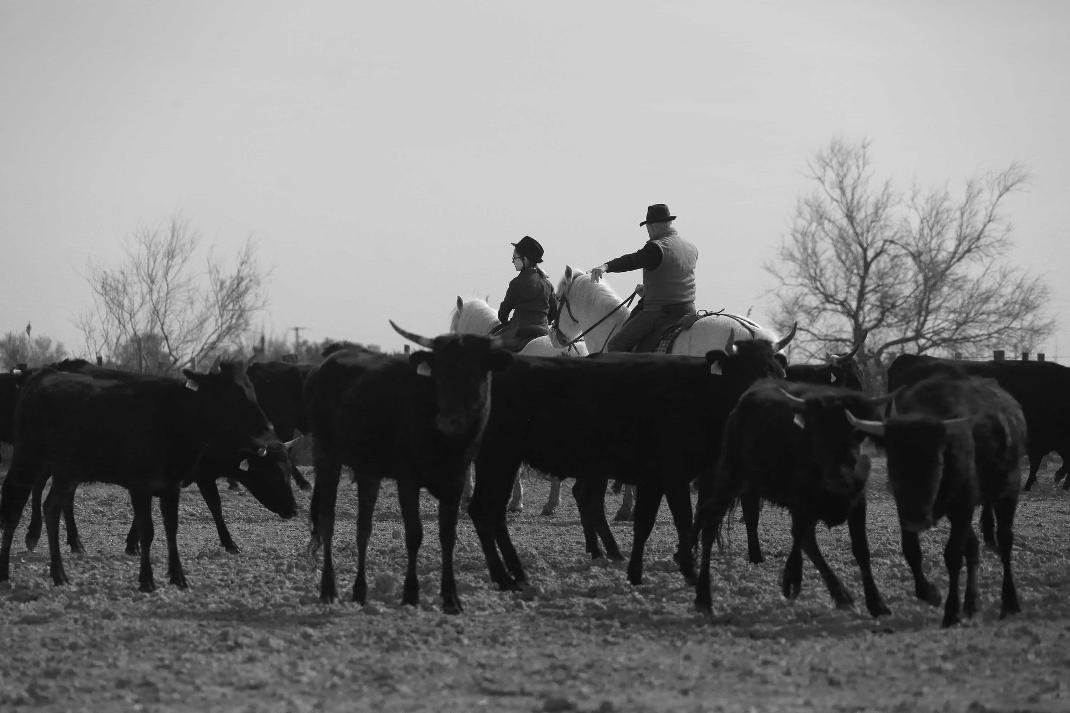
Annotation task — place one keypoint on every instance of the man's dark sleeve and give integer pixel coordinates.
(648, 258)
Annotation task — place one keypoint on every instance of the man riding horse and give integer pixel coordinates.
(668, 292)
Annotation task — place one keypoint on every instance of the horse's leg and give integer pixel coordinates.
(626, 513)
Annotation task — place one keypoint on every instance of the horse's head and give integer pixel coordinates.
(473, 316)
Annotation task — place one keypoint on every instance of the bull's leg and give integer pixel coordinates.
(791, 577)
(706, 533)
(595, 490)
(210, 493)
(1035, 459)
(485, 522)
(647, 501)
(448, 507)
(14, 493)
(74, 540)
(169, 511)
(953, 555)
(626, 513)
(1005, 537)
(751, 503)
(987, 526)
(678, 498)
(516, 499)
(923, 588)
(469, 484)
(143, 521)
(1066, 484)
(856, 526)
(367, 497)
(298, 478)
(409, 498)
(52, 509)
(969, 601)
(839, 593)
(553, 500)
(582, 493)
(326, 493)
(33, 530)
(487, 510)
(314, 541)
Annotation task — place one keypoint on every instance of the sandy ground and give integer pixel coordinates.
(250, 634)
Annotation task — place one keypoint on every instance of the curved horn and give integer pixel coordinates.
(795, 400)
(873, 428)
(422, 341)
(848, 355)
(784, 342)
(730, 345)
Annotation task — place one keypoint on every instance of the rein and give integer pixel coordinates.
(568, 308)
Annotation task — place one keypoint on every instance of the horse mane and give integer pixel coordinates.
(589, 289)
(475, 316)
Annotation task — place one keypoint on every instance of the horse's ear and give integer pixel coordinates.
(568, 272)
(460, 302)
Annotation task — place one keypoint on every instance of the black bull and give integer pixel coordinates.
(650, 420)
(1041, 388)
(384, 418)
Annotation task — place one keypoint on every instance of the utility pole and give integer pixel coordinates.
(297, 337)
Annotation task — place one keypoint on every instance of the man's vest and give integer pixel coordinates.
(673, 281)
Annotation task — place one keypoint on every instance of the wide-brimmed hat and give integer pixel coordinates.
(657, 213)
(529, 247)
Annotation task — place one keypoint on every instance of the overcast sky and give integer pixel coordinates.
(384, 155)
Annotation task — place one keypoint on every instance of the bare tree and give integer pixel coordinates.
(162, 310)
(21, 348)
(865, 266)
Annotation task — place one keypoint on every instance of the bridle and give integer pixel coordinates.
(563, 303)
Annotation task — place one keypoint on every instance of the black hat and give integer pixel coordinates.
(529, 247)
(657, 213)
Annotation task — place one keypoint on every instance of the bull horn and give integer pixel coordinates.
(422, 341)
(795, 400)
(873, 428)
(848, 355)
(730, 345)
(290, 444)
(784, 342)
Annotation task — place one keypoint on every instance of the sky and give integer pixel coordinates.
(383, 156)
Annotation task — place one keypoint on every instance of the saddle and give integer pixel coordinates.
(686, 322)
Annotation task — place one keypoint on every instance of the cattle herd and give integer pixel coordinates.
(739, 425)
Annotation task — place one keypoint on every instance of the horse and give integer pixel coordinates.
(594, 311)
(475, 316)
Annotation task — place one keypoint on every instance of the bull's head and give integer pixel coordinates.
(460, 366)
(917, 446)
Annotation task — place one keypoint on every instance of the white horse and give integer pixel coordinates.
(475, 316)
(584, 304)
(595, 311)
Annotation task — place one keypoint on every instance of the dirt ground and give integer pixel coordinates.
(250, 634)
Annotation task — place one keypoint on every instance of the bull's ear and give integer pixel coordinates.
(194, 379)
(800, 421)
(714, 359)
(782, 360)
(422, 361)
(499, 359)
(568, 272)
(460, 302)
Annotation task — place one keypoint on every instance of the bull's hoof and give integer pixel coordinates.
(179, 580)
(232, 549)
(410, 598)
(147, 586)
(548, 511)
(622, 516)
(509, 585)
(877, 608)
(451, 605)
(133, 550)
(516, 508)
(31, 541)
(360, 592)
(77, 548)
(929, 594)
